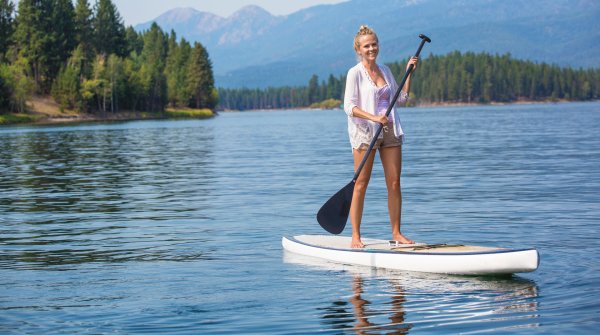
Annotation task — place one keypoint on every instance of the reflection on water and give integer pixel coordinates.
(71, 197)
(396, 310)
(382, 301)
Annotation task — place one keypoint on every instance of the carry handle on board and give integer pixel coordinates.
(333, 215)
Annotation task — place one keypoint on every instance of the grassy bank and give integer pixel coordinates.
(44, 110)
(19, 118)
(189, 113)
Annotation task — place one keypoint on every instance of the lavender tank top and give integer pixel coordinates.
(383, 99)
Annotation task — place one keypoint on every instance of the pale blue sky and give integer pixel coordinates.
(139, 11)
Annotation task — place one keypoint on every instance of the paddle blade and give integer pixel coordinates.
(334, 213)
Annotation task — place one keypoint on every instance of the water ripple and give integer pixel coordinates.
(175, 226)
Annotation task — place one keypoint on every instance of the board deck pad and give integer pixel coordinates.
(343, 242)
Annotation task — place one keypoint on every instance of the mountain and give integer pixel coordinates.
(253, 48)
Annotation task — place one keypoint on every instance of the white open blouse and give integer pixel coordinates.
(361, 92)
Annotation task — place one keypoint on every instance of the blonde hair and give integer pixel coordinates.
(362, 31)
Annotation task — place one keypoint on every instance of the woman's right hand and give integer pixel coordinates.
(380, 119)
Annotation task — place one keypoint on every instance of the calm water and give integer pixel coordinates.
(175, 226)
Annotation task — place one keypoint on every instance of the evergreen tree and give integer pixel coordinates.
(134, 42)
(32, 26)
(152, 69)
(134, 88)
(84, 32)
(62, 36)
(109, 31)
(200, 79)
(7, 9)
(5, 88)
(84, 35)
(313, 89)
(45, 36)
(176, 72)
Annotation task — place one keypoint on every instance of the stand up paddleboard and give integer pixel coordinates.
(434, 258)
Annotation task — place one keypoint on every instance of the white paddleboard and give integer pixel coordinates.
(434, 258)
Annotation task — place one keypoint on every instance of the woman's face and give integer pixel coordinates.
(368, 47)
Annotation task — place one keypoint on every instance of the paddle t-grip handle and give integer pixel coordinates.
(424, 39)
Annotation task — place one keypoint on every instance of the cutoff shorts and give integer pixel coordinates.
(388, 140)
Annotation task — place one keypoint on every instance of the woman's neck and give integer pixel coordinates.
(370, 65)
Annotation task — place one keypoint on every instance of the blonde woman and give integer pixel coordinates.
(370, 87)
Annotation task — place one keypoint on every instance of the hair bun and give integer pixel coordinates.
(363, 30)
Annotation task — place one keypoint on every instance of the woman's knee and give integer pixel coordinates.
(393, 185)
(360, 187)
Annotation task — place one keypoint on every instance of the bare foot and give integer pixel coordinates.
(400, 238)
(357, 243)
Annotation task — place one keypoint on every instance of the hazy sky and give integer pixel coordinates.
(138, 11)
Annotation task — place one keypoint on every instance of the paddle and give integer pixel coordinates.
(334, 213)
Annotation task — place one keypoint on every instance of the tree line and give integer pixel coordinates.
(485, 78)
(90, 62)
(452, 78)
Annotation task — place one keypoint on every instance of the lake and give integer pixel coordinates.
(175, 226)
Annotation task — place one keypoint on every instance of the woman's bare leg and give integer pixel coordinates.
(391, 158)
(358, 197)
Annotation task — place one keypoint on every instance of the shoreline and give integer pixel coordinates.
(428, 105)
(44, 111)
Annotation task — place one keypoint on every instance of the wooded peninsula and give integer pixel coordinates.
(84, 61)
(88, 62)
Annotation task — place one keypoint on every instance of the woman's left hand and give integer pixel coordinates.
(413, 60)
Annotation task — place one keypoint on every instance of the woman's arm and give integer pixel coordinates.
(351, 92)
(357, 112)
(414, 61)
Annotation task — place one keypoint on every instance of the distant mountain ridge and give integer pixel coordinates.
(211, 29)
(254, 48)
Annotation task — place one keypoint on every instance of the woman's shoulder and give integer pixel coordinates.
(355, 70)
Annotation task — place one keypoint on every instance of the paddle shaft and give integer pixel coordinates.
(391, 106)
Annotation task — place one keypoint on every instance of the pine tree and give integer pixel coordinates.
(7, 9)
(152, 70)
(313, 89)
(83, 23)
(108, 29)
(62, 36)
(176, 72)
(32, 25)
(200, 79)
(134, 41)
(44, 35)
(84, 35)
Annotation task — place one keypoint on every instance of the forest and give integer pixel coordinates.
(453, 78)
(88, 61)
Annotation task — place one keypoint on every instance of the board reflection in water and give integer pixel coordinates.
(380, 300)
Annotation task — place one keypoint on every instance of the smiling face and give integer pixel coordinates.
(368, 47)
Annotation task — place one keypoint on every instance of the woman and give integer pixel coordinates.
(369, 90)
